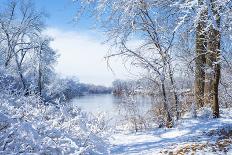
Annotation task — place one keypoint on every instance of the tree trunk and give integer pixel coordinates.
(19, 70)
(40, 74)
(40, 81)
(169, 119)
(209, 71)
(214, 50)
(174, 90)
(201, 49)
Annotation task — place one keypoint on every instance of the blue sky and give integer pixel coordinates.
(80, 48)
(79, 45)
(61, 14)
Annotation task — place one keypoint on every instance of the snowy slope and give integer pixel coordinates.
(29, 126)
(188, 131)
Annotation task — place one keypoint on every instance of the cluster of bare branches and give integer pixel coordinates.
(168, 37)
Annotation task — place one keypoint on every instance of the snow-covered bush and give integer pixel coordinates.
(28, 125)
(133, 116)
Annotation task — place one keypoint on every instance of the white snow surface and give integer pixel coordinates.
(29, 126)
(187, 131)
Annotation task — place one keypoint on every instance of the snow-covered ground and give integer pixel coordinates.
(203, 133)
(27, 125)
(30, 126)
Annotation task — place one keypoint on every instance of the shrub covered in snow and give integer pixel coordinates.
(28, 125)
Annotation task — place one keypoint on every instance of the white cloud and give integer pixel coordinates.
(82, 55)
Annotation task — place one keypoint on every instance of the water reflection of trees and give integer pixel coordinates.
(135, 111)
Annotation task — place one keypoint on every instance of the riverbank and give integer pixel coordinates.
(27, 125)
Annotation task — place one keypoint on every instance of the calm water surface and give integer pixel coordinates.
(109, 104)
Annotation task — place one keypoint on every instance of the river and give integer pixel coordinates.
(110, 105)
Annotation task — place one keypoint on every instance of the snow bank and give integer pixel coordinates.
(27, 125)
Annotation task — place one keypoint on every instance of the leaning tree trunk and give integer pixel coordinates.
(214, 50)
(201, 49)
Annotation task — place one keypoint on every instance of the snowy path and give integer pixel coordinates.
(187, 131)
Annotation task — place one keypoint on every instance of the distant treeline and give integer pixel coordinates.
(74, 88)
(133, 87)
(145, 86)
(27, 60)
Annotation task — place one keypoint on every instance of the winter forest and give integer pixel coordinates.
(126, 77)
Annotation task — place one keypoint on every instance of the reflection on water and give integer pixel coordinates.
(109, 104)
(97, 104)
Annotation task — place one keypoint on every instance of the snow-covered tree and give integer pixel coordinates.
(158, 26)
(26, 53)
